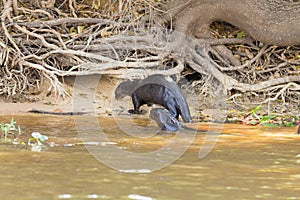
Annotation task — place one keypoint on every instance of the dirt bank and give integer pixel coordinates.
(95, 94)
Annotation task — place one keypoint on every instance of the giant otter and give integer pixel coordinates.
(166, 121)
(155, 89)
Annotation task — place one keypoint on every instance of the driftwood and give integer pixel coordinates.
(56, 113)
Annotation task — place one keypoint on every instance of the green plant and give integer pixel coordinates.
(271, 120)
(38, 138)
(10, 129)
(37, 141)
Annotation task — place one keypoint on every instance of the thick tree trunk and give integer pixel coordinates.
(274, 22)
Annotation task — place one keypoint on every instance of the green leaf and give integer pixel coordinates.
(267, 117)
(267, 124)
(12, 121)
(19, 130)
(73, 30)
(289, 124)
(253, 122)
(5, 129)
(240, 34)
(95, 6)
(43, 138)
(255, 109)
(39, 137)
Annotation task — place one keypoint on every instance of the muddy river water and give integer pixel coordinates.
(245, 163)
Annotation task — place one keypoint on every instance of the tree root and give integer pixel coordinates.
(57, 46)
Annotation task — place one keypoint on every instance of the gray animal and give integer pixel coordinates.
(155, 89)
(166, 121)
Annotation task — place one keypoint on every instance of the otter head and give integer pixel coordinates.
(124, 89)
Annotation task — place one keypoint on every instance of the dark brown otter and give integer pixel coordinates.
(155, 89)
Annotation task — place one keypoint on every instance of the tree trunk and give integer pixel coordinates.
(273, 22)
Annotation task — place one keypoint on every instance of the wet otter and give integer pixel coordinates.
(155, 89)
(166, 121)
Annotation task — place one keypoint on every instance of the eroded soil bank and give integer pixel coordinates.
(95, 95)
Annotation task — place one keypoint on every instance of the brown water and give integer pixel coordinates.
(255, 163)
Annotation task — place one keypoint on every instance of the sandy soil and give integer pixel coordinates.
(102, 93)
(89, 93)
(95, 95)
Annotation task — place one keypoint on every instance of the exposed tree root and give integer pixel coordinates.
(56, 43)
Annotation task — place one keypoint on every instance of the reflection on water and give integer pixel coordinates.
(247, 163)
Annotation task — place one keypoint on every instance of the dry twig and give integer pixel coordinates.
(57, 43)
